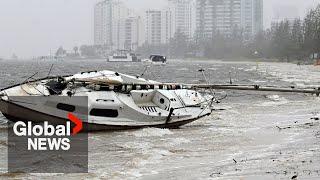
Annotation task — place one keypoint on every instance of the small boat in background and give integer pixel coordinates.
(123, 56)
(156, 59)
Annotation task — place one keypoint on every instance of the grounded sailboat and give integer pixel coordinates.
(115, 101)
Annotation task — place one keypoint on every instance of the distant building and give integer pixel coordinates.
(115, 26)
(99, 28)
(251, 17)
(183, 16)
(224, 16)
(217, 16)
(133, 33)
(161, 25)
(158, 26)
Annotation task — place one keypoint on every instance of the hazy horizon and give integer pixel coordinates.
(34, 27)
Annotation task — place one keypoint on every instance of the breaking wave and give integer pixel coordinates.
(177, 141)
(152, 132)
(274, 100)
(137, 145)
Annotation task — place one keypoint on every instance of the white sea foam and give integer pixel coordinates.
(137, 145)
(138, 165)
(177, 141)
(257, 81)
(183, 69)
(152, 132)
(303, 85)
(274, 100)
(136, 173)
(289, 72)
(147, 153)
(274, 97)
(250, 69)
(46, 174)
(213, 69)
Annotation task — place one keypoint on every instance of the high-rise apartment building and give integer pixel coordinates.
(133, 33)
(224, 16)
(251, 17)
(161, 25)
(100, 28)
(116, 26)
(158, 26)
(183, 16)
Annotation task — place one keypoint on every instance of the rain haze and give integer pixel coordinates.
(159, 89)
(35, 27)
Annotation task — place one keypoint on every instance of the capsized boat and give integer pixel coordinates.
(115, 101)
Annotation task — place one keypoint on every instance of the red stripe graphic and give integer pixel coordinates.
(77, 122)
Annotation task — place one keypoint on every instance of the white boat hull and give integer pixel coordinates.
(107, 109)
(20, 113)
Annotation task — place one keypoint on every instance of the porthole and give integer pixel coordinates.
(104, 112)
(66, 107)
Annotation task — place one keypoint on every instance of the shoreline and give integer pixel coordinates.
(230, 60)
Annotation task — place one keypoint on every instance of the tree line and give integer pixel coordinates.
(291, 40)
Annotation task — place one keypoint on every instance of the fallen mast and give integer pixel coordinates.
(315, 91)
(168, 86)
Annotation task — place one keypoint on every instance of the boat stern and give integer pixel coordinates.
(3, 103)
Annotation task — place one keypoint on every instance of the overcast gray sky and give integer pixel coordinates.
(34, 27)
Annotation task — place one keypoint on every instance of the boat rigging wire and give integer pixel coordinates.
(31, 77)
(213, 99)
(50, 70)
(144, 71)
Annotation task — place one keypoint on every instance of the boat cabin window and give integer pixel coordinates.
(66, 107)
(104, 112)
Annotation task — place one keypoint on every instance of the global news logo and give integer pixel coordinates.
(48, 137)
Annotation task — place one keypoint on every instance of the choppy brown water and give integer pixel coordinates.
(259, 136)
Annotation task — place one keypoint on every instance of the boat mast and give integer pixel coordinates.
(239, 87)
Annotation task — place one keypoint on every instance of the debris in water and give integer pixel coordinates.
(309, 124)
(280, 128)
(235, 161)
(215, 174)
